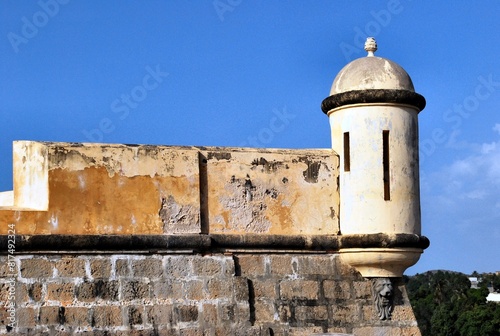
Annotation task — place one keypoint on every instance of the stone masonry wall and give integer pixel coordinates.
(193, 294)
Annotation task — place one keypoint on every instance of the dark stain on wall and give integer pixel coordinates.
(267, 166)
(312, 172)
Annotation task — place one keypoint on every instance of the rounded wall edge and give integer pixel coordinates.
(373, 96)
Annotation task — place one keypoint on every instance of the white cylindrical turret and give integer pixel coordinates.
(373, 111)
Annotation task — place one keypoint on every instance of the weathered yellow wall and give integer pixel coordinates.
(126, 189)
(275, 192)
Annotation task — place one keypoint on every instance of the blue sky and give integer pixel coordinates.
(217, 73)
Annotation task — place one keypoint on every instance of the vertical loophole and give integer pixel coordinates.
(385, 163)
(347, 153)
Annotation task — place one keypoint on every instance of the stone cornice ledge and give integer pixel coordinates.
(373, 96)
(208, 242)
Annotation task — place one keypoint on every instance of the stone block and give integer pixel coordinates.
(35, 292)
(242, 312)
(243, 330)
(299, 289)
(344, 314)
(142, 332)
(4, 293)
(135, 315)
(107, 290)
(369, 313)
(281, 265)
(85, 292)
(71, 267)
(338, 330)
(265, 288)
(160, 315)
(77, 316)
(209, 314)
(5, 270)
(100, 268)
(194, 290)
(403, 313)
(264, 311)
(26, 317)
(122, 267)
(251, 266)
(52, 315)
(229, 267)
(362, 289)
(306, 313)
(4, 318)
(132, 290)
(178, 291)
(227, 312)
(208, 266)
(148, 268)
(91, 291)
(409, 331)
(305, 331)
(284, 314)
(36, 268)
(219, 288)
(107, 316)
(186, 313)
(346, 271)
(163, 288)
(178, 266)
(323, 264)
(55, 332)
(275, 331)
(191, 332)
(241, 290)
(62, 292)
(386, 331)
(21, 292)
(103, 332)
(337, 290)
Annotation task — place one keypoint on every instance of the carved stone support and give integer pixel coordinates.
(383, 295)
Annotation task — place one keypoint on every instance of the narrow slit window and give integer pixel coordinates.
(385, 163)
(347, 153)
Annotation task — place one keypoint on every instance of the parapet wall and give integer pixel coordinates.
(62, 188)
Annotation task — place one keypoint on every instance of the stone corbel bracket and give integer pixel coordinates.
(383, 297)
(382, 255)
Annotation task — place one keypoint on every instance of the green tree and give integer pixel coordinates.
(490, 280)
(445, 305)
(443, 320)
(481, 320)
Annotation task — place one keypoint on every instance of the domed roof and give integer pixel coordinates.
(371, 72)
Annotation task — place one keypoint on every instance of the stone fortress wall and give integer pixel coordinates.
(157, 240)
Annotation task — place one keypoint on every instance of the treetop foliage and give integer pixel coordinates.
(445, 304)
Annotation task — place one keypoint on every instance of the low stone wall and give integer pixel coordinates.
(188, 293)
